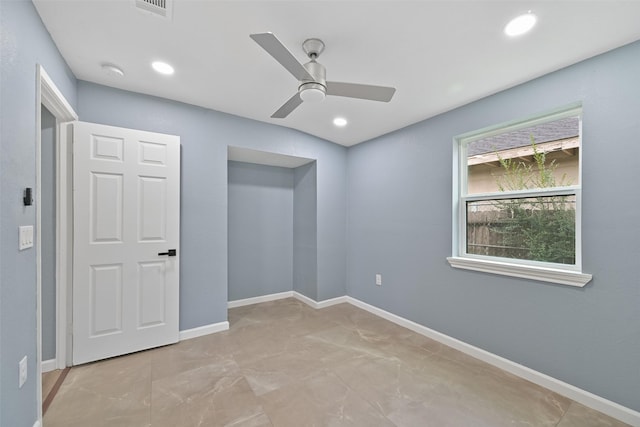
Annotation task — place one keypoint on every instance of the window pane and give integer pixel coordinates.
(540, 156)
(532, 228)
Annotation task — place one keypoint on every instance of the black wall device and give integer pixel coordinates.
(27, 199)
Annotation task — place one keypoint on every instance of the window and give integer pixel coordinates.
(517, 191)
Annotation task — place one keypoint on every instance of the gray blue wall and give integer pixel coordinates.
(272, 230)
(205, 136)
(260, 230)
(399, 225)
(48, 233)
(305, 231)
(24, 42)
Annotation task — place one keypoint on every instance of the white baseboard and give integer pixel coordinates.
(256, 300)
(322, 304)
(203, 330)
(584, 397)
(288, 294)
(48, 365)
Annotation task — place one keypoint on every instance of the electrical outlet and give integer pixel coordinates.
(379, 279)
(22, 369)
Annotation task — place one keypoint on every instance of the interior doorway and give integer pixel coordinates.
(57, 112)
(47, 232)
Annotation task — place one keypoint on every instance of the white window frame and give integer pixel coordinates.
(566, 274)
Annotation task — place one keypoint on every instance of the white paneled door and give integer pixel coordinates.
(126, 203)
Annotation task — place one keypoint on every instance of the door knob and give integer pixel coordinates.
(170, 252)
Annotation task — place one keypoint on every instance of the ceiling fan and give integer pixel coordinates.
(313, 87)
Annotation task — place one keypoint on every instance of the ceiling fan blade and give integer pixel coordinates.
(275, 48)
(354, 90)
(288, 107)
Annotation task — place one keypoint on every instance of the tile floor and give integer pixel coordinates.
(285, 364)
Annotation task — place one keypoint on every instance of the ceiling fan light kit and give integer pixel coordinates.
(312, 92)
(312, 76)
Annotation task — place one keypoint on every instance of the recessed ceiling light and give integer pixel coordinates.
(520, 24)
(340, 121)
(162, 67)
(112, 70)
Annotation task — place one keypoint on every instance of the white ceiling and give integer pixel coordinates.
(438, 54)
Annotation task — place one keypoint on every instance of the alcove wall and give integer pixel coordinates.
(272, 224)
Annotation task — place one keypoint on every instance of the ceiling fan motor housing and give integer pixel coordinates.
(316, 89)
(317, 71)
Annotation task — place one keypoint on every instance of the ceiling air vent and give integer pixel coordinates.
(157, 7)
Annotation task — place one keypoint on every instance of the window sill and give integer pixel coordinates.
(562, 277)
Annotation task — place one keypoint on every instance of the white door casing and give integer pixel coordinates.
(126, 200)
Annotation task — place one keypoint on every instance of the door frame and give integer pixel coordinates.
(49, 96)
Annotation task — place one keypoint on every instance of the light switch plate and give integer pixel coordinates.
(26, 237)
